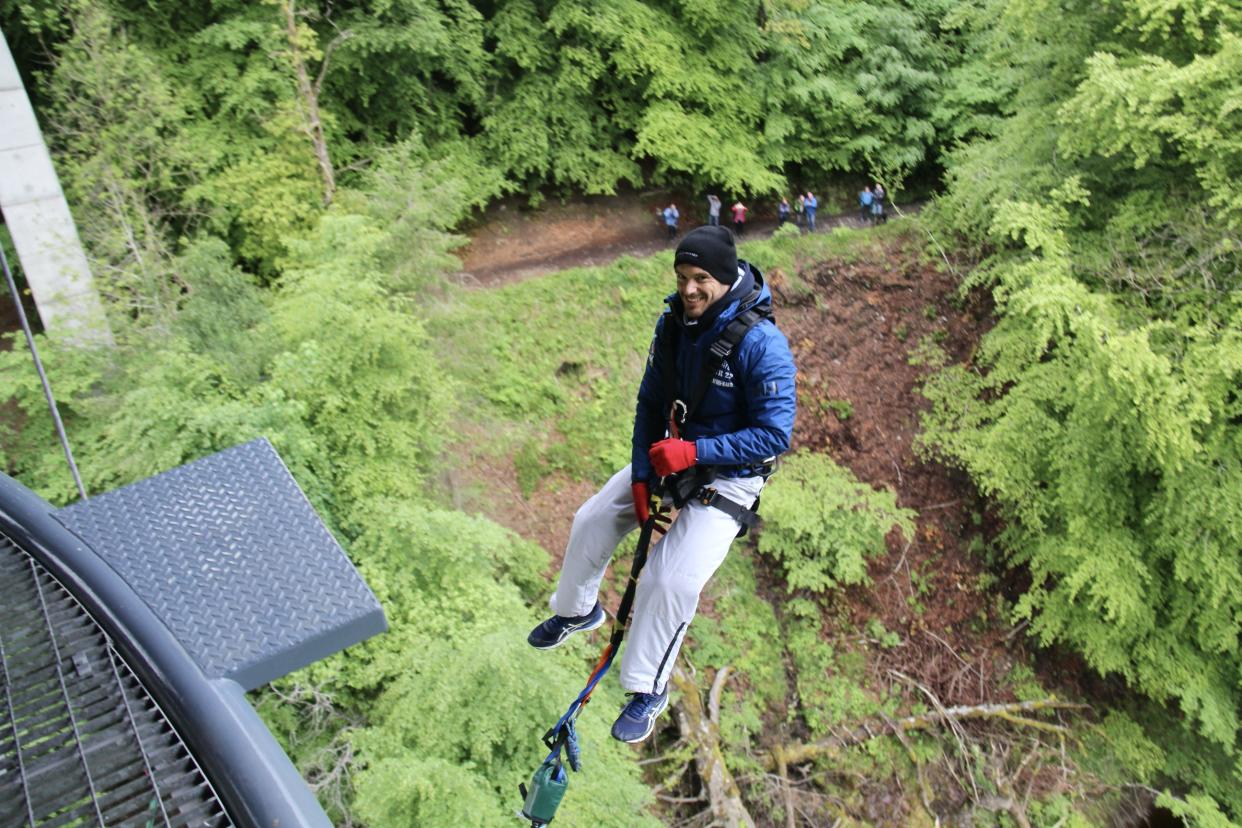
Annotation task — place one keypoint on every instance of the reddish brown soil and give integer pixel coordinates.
(852, 341)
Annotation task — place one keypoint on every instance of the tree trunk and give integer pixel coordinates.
(308, 98)
(702, 728)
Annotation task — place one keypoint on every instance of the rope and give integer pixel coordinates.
(562, 735)
(47, 387)
(927, 231)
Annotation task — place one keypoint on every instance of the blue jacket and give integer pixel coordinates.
(746, 416)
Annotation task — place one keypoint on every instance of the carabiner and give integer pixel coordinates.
(676, 416)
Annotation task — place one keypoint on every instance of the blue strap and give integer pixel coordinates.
(563, 734)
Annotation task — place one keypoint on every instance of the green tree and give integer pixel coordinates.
(1110, 441)
(461, 695)
(119, 133)
(1102, 410)
(850, 87)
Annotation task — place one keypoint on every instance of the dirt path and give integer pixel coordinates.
(512, 244)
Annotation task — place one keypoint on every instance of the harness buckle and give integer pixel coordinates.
(706, 495)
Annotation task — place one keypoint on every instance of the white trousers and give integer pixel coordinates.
(678, 567)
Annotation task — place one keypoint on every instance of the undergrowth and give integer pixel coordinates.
(548, 370)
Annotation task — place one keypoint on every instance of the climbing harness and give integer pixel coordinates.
(550, 781)
(680, 410)
(694, 484)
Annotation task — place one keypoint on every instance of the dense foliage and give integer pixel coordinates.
(822, 524)
(1103, 411)
(241, 117)
(268, 192)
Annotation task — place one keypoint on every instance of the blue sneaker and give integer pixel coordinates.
(554, 631)
(638, 717)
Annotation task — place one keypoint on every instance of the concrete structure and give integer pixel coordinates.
(38, 218)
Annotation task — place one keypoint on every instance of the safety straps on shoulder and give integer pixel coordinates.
(681, 407)
(695, 483)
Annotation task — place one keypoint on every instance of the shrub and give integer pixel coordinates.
(822, 523)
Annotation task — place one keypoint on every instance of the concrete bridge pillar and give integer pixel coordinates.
(39, 221)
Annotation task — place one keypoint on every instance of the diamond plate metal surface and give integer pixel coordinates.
(235, 561)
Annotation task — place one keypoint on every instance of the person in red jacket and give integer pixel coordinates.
(739, 217)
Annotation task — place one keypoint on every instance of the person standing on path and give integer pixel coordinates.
(782, 212)
(865, 199)
(812, 204)
(877, 205)
(799, 209)
(670, 220)
(717, 461)
(739, 217)
(713, 209)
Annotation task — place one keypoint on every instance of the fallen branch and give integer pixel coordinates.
(794, 754)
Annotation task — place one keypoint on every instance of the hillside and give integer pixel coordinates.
(276, 200)
(869, 314)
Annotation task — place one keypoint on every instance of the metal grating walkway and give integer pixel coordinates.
(81, 742)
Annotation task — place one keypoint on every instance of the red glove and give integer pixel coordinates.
(642, 501)
(672, 455)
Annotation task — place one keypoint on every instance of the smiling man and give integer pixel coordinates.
(715, 409)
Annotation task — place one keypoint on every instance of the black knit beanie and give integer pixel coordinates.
(711, 248)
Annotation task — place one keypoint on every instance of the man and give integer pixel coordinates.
(729, 440)
(670, 220)
(713, 209)
(812, 204)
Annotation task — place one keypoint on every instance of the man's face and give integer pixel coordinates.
(698, 289)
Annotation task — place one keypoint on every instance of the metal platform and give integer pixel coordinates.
(81, 741)
(130, 625)
(230, 555)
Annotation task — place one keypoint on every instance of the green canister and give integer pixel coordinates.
(547, 789)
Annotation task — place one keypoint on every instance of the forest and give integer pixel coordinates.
(999, 579)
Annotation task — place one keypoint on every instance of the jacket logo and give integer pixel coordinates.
(724, 376)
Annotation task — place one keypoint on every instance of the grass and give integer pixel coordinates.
(550, 366)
